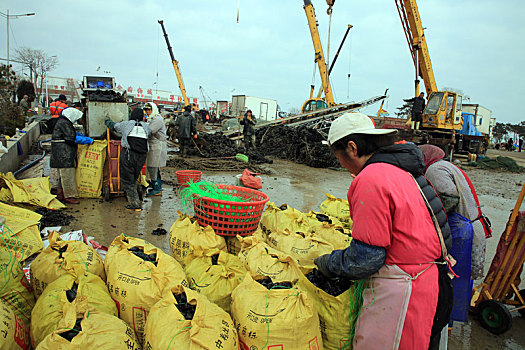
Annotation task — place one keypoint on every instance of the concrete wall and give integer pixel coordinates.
(10, 161)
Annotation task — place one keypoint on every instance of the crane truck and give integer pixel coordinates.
(442, 123)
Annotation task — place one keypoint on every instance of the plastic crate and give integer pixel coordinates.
(232, 218)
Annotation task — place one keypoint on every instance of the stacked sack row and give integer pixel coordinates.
(267, 281)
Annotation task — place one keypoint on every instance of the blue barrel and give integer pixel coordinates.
(462, 233)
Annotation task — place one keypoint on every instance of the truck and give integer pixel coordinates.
(263, 109)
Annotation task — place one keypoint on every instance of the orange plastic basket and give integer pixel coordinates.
(232, 218)
(184, 176)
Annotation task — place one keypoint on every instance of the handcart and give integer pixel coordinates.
(112, 186)
(500, 287)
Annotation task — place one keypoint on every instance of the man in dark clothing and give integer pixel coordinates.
(417, 110)
(24, 104)
(520, 143)
(187, 128)
(249, 129)
(135, 132)
(64, 153)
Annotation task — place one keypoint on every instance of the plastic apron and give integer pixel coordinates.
(385, 305)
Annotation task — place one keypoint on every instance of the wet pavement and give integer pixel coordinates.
(303, 188)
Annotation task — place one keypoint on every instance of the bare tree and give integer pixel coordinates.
(39, 64)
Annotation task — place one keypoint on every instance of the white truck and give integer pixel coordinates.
(263, 109)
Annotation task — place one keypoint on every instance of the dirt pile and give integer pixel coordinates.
(52, 218)
(300, 144)
(218, 145)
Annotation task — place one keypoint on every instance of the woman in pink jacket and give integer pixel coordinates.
(395, 243)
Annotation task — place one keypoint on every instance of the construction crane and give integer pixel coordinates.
(317, 103)
(443, 109)
(175, 66)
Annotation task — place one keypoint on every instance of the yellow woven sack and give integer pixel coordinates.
(20, 233)
(276, 318)
(262, 260)
(305, 247)
(14, 333)
(210, 328)
(316, 220)
(34, 191)
(275, 219)
(335, 314)
(62, 257)
(48, 310)
(15, 290)
(90, 168)
(333, 235)
(216, 274)
(87, 330)
(137, 284)
(337, 208)
(186, 236)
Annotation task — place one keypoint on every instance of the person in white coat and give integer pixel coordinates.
(158, 148)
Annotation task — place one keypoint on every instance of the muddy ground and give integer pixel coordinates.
(304, 188)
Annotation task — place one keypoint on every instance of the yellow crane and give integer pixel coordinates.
(175, 66)
(313, 104)
(443, 109)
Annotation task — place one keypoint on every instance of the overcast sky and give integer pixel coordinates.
(476, 46)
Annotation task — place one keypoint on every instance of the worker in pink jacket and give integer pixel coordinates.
(396, 246)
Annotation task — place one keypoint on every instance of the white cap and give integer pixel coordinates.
(354, 123)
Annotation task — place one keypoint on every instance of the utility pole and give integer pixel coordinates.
(7, 16)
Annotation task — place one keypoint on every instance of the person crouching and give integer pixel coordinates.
(134, 143)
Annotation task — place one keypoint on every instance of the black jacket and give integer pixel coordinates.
(409, 158)
(63, 146)
(419, 104)
(249, 125)
(186, 125)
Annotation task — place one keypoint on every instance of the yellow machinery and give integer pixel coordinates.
(443, 109)
(175, 66)
(312, 103)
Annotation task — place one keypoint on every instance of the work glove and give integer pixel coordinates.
(322, 265)
(83, 140)
(195, 136)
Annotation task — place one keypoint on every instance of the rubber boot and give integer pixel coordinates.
(60, 194)
(157, 189)
(71, 200)
(417, 125)
(133, 199)
(413, 125)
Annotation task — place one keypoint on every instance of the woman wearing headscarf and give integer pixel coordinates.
(64, 154)
(396, 247)
(158, 147)
(134, 143)
(458, 195)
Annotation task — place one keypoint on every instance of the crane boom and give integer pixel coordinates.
(319, 55)
(175, 66)
(409, 15)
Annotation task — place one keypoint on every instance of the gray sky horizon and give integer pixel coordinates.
(475, 46)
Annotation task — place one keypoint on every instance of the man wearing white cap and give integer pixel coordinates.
(395, 243)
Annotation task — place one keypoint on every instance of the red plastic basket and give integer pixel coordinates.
(184, 176)
(232, 218)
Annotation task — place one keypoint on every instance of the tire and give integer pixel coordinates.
(494, 316)
(106, 192)
(522, 293)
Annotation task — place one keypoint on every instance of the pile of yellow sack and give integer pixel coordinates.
(202, 295)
